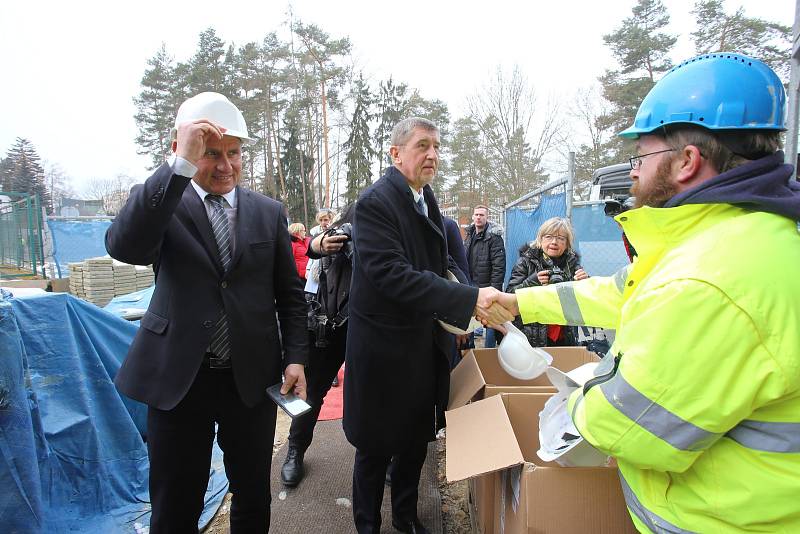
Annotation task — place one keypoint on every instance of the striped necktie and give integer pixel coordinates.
(220, 345)
(421, 206)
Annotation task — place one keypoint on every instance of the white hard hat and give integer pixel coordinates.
(217, 109)
(473, 323)
(518, 358)
(559, 440)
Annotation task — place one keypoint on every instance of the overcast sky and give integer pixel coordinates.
(71, 69)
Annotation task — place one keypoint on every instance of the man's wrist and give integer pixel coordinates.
(182, 166)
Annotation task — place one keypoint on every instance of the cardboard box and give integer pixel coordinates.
(499, 436)
(59, 285)
(479, 375)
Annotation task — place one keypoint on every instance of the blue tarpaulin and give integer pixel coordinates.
(72, 453)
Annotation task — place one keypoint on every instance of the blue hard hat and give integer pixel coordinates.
(722, 91)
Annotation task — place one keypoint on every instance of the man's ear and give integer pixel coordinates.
(394, 153)
(174, 145)
(690, 165)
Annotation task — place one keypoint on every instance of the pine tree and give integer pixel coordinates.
(156, 107)
(274, 70)
(358, 144)
(641, 50)
(719, 32)
(392, 104)
(470, 162)
(6, 174)
(296, 165)
(27, 174)
(209, 67)
(321, 51)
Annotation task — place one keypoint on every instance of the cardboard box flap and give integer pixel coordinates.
(466, 381)
(480, 440)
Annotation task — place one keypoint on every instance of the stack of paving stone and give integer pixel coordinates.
(98, 280)
(144, 277)
(124, 278)
(76, 279)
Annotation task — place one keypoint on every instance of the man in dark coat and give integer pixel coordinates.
(396, 364)
(486, 256)
(209, 346)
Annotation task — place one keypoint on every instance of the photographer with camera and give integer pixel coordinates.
(549, 259)
(327, 325)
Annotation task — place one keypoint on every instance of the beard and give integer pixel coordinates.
(658, 191)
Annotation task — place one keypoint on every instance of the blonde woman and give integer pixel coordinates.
(299, 247)
(549, 259)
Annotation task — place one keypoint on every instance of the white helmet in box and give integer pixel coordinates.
(518, 358)
(559, 440)
(217, 109)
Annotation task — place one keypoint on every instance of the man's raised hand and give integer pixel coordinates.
(192, 138)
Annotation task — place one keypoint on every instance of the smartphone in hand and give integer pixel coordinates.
(290, 403)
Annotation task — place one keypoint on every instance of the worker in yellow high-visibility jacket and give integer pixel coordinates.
(699, 397)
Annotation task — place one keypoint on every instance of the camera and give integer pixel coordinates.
(317, 324)
(618, 204)
(557, 275)
(346, 230)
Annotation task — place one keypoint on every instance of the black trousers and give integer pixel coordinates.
(323, 364)
(369, 475)
(179, 443)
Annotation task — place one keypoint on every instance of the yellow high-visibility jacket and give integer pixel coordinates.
(700, 404)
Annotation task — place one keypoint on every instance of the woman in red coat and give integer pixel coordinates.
(299, 247)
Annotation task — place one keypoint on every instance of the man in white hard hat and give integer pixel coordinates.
(209, 345)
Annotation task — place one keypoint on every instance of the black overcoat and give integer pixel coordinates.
(396, 372)
(165, 223)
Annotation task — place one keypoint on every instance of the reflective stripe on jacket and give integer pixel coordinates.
(699, 398)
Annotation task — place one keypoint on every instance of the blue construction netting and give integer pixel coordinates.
(522, 225)
(598, 237)
(77, 240)
(72, 453)
(599, 240)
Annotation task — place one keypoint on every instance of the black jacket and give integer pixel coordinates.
(164, 222)
(397, 366)
(486, 255)
(333, 294)
(524, 274)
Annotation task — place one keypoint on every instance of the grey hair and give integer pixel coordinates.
(324, 211)
(403, 129)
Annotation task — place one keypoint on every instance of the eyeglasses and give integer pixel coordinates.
(559, 238)
(636, 161)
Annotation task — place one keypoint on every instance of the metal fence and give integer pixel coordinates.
(75, 239)
(21, 228)
(598, 237)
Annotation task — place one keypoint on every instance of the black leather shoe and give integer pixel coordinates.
(410, 527)
(292, 470)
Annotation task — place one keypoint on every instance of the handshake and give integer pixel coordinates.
(494, 307)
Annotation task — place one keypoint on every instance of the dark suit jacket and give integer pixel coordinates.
(455, 247)
(397, 354)
(165, 223)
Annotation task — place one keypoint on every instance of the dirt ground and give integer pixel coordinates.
(455, 511)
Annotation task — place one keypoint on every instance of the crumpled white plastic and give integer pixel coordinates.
(559, 440)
